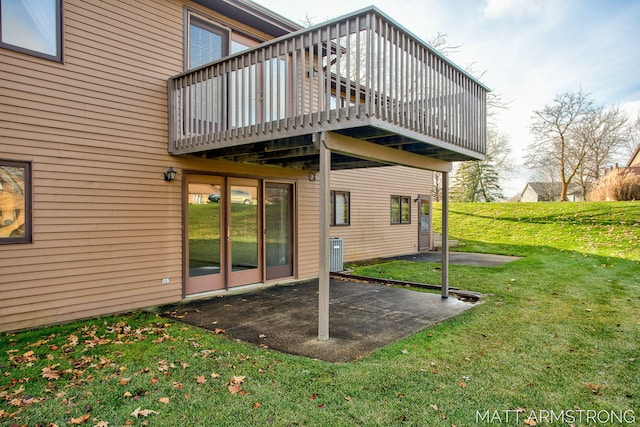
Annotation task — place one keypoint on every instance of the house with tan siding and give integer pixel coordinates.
(280, 137)
(634, 161)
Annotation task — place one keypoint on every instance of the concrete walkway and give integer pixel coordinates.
(461, 258)
(363, 317)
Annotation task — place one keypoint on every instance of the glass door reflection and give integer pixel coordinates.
(244, 237)
(278, 200)
(204, 216)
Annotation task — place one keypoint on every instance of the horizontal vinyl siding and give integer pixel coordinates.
(370, 233)
(308, 228)
(106, 227)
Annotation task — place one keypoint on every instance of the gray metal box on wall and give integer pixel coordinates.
(335, 254)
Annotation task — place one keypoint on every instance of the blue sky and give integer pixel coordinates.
(527, 51)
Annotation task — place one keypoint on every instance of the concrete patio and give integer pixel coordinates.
(363, 317)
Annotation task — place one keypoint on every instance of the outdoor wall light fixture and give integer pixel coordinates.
(170, 174)
(313, 73)
(312, 176)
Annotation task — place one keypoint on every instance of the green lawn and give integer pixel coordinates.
(558, 338)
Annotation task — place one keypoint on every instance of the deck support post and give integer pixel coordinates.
(445, 235)
(324, 171)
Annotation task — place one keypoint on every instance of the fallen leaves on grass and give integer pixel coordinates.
(51, 373)
(235, 388)
(29, 357)
(595, 388)
(80, 420)
(143, 412)
(234, 385)
(67, 365)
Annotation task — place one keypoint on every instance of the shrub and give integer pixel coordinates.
(617, 185)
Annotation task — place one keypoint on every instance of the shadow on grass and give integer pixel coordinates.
(575, 213)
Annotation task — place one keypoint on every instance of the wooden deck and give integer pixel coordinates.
(361, 75)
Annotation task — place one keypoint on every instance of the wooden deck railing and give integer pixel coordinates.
(358, 70)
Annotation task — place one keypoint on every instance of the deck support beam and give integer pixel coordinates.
(323, 280)
(369, 151)
(445, 235)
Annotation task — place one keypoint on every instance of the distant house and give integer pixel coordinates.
(634, 161)
(633, 165)
(549, 192)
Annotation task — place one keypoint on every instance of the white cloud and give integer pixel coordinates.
(496, 9)
(632, 108)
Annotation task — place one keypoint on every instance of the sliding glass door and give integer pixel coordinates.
(237, 232)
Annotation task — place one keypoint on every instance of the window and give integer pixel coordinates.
(340, 209)
(400, 210)
(205, 41)
(32, 26)
(15, 202)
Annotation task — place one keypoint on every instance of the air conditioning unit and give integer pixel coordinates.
(335, 254)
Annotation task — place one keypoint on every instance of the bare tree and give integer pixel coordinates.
(437, 187)
(603, 133)
(440, 42)
(555, 142)
(499, 150)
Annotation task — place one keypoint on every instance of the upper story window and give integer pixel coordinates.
(207, 41)
(32, 26)
(15, 202)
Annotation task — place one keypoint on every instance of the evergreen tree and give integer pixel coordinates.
(477, 181)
